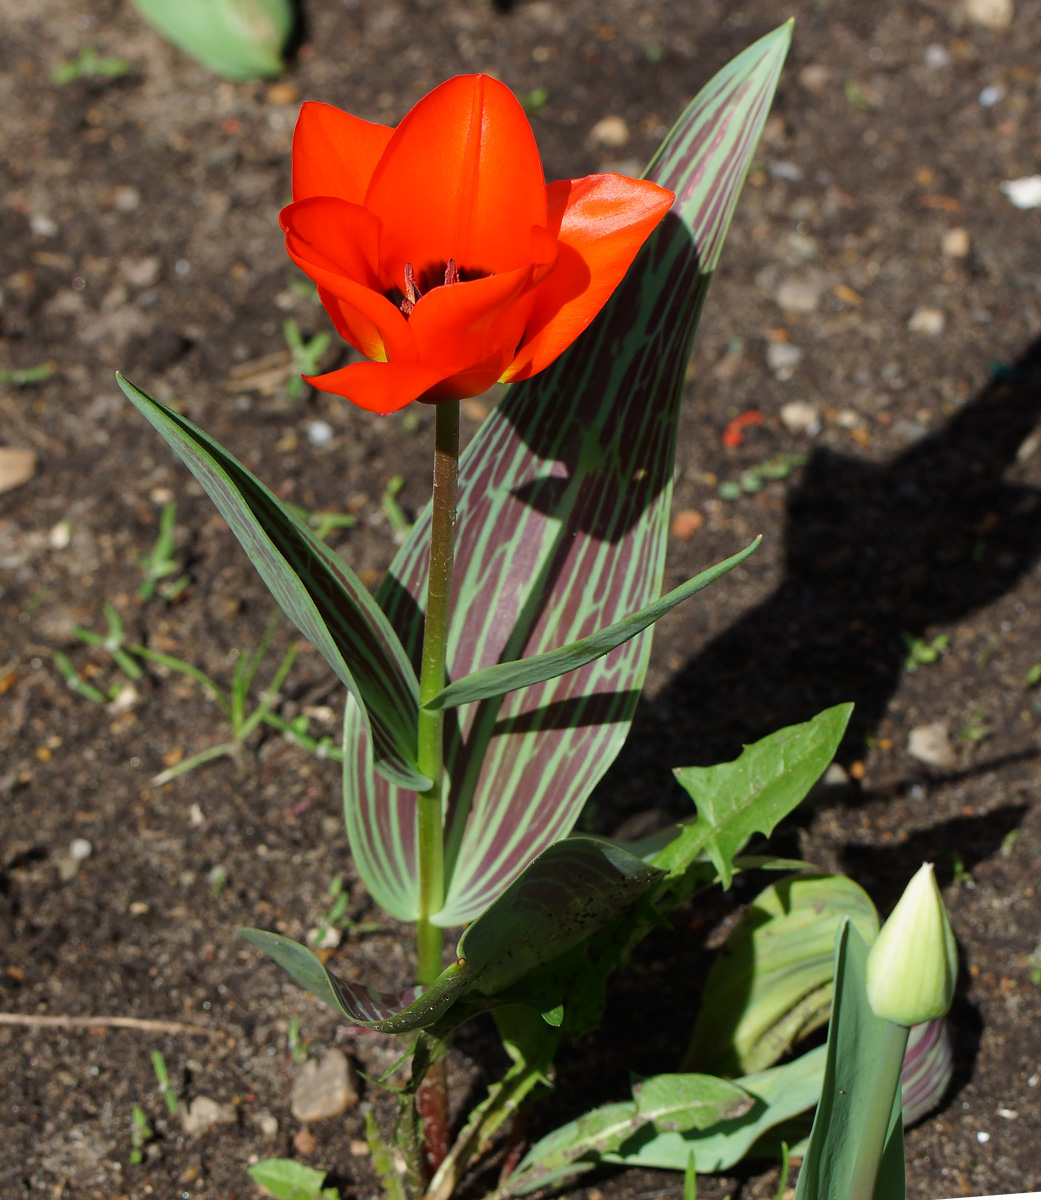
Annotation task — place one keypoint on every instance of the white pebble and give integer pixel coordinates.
(610, 131)
(1024, 192)
(992, 95)
(799, 416)
(982, 1136)
(80, 849)
(786, 170)
(927, 320)
(955, 243)
(42, 225)
(60, 535)
(782, 358)
(937, 56)
(319, 433)
(991, 14)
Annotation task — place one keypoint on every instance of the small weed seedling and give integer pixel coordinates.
(336, 918)
(306, 356)
(159, 562)
(140, 1134)
(162, 1078)
(977, 728)
(297, 1049)
(399, 523)
(27, 375)
(752, 480)
(89, 64)
(920, 652)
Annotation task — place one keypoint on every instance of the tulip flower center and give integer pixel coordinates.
(413, 291)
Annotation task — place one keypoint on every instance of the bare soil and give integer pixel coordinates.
(138, 231)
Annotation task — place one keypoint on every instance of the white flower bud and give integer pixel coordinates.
(912, 966)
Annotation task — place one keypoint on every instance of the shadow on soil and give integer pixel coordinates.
(875, 553)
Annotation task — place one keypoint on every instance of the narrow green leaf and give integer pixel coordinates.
(855, 1087)
(316, 590)
(287, 1179)
(511, 676)
(239, 39)
(751, 794)
(573, 889)
(563, 522)
(771, 983)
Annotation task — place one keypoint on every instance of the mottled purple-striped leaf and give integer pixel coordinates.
(928, 1068)
(563, 517)
(573, 889)
(313, 586)
(511, 676)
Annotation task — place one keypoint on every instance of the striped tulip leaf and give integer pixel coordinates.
(573, 889)
(313, 586)
(751, 794)
(510, 677)
(771, 983)
(563, 518)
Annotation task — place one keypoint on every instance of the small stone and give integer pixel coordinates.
(799, 294)
(937, 56)
(266, 1123)
(955, 243)
(324, 1087)
(929, 321)
(124, 701)
(799, 416)
(358, 1148)
(60, 535)
(991, 95)
(686, 523)
(80, 849)
(195, 814)
(16, 467)
(930, 744)
(126, 198)
(319, 433)
(1025, 192)
(789, 171)
(610, 131)
(204, 1113)
(304, 1142)
(782, 358)
(67, 867)
(140, 272)
(814, 77)
(995, 15)
(42, 225)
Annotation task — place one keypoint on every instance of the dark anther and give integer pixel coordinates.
(451, 272)
(412, 292)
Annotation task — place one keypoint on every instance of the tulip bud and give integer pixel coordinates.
(913, 964)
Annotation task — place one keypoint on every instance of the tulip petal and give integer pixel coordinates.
(467, 323)
(337, 243)
(335, 154)
(461, 178)
(379, 387)
(604, 220)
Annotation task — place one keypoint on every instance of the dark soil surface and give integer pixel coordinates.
(138, 231)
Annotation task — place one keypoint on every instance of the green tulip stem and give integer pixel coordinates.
(430, 755)
(885, 1086)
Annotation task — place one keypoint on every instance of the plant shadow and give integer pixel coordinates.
(874, 553)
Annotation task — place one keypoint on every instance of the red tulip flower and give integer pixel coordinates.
(440, 252)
